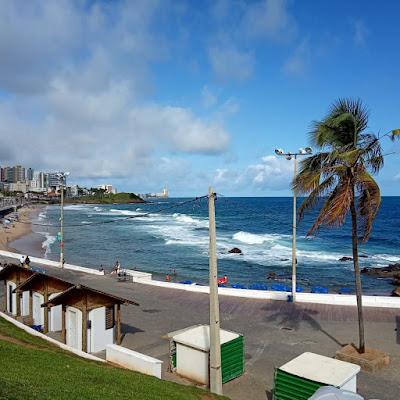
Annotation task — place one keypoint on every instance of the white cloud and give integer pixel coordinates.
(209, 99)
(229, 62)
(268, 19)
(270, 173)
(230, 51)
(298, 63)
(75, 77)
(360, 33)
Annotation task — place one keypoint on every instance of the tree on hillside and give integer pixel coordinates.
(341, 174)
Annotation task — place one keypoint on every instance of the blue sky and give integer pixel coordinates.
(189, 93)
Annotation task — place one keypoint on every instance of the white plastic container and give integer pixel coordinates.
(332, 393)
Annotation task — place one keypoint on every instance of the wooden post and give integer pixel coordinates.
(5, 296)
(84, 324)
(63, 331)
(18, 296)
(18, 300)
(31, 306)
(215, 341)
(46, 309)
(118, 333)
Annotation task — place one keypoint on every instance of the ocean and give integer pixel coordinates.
(165, 236)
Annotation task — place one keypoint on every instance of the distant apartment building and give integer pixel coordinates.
(72, 190)
(54, 180)
(29, 174)
(18, 187)
(107, 188)
(13, 174)
(39, 182)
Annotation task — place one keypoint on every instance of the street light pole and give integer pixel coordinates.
(302, 152)
(215, 341)
(62, 176)
(294, 231)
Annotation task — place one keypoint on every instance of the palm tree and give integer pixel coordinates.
(341, 174)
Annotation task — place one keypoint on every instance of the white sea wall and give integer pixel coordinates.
(133, 360)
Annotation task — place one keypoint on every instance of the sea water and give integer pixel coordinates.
(165, 236)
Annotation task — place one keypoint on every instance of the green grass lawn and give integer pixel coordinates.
(32, 368)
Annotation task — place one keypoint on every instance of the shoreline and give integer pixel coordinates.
(20, 231)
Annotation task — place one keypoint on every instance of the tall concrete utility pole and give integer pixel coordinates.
(215, 341)
(62, 224)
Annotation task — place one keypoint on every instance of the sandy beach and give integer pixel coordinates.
(18, 228)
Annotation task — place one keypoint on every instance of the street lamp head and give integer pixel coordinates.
(288, 158)
(308, 150)
(279, 152)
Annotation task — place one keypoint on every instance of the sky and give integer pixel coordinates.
(142, 94)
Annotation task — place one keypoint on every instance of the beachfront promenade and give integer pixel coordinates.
(274, 331)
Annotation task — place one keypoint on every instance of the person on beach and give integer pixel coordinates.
(117, 267)
(168, 278)
(22, 261)
(27, 262)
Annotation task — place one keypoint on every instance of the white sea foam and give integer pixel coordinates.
(46, 244)
(386, 258)
(98, 209)
(77, 207)
(252, 238)
(187, 219)
(124, 212)
(42, 216)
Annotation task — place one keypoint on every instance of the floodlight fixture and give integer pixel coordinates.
(308, 150)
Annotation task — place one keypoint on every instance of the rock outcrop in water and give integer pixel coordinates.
(384, 272)
(343, 259)
(235, 250)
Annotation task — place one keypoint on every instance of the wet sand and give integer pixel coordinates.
(18, 235)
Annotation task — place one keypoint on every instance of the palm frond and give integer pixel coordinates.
(336, 207)
(320, 190)
(346, 119)
(369, 201)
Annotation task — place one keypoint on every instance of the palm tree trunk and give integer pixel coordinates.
(357, 276)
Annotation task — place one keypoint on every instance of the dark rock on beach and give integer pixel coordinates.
(396, 292)
(396, 280)
(391, 270)
(343, 259)
(235, 250)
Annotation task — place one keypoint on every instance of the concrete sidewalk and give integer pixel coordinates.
(274, 331)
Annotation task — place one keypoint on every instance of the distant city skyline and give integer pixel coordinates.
(189, 93)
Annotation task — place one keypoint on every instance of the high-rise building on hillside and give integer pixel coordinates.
(29, 174)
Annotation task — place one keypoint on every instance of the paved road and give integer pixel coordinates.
(274, 331)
